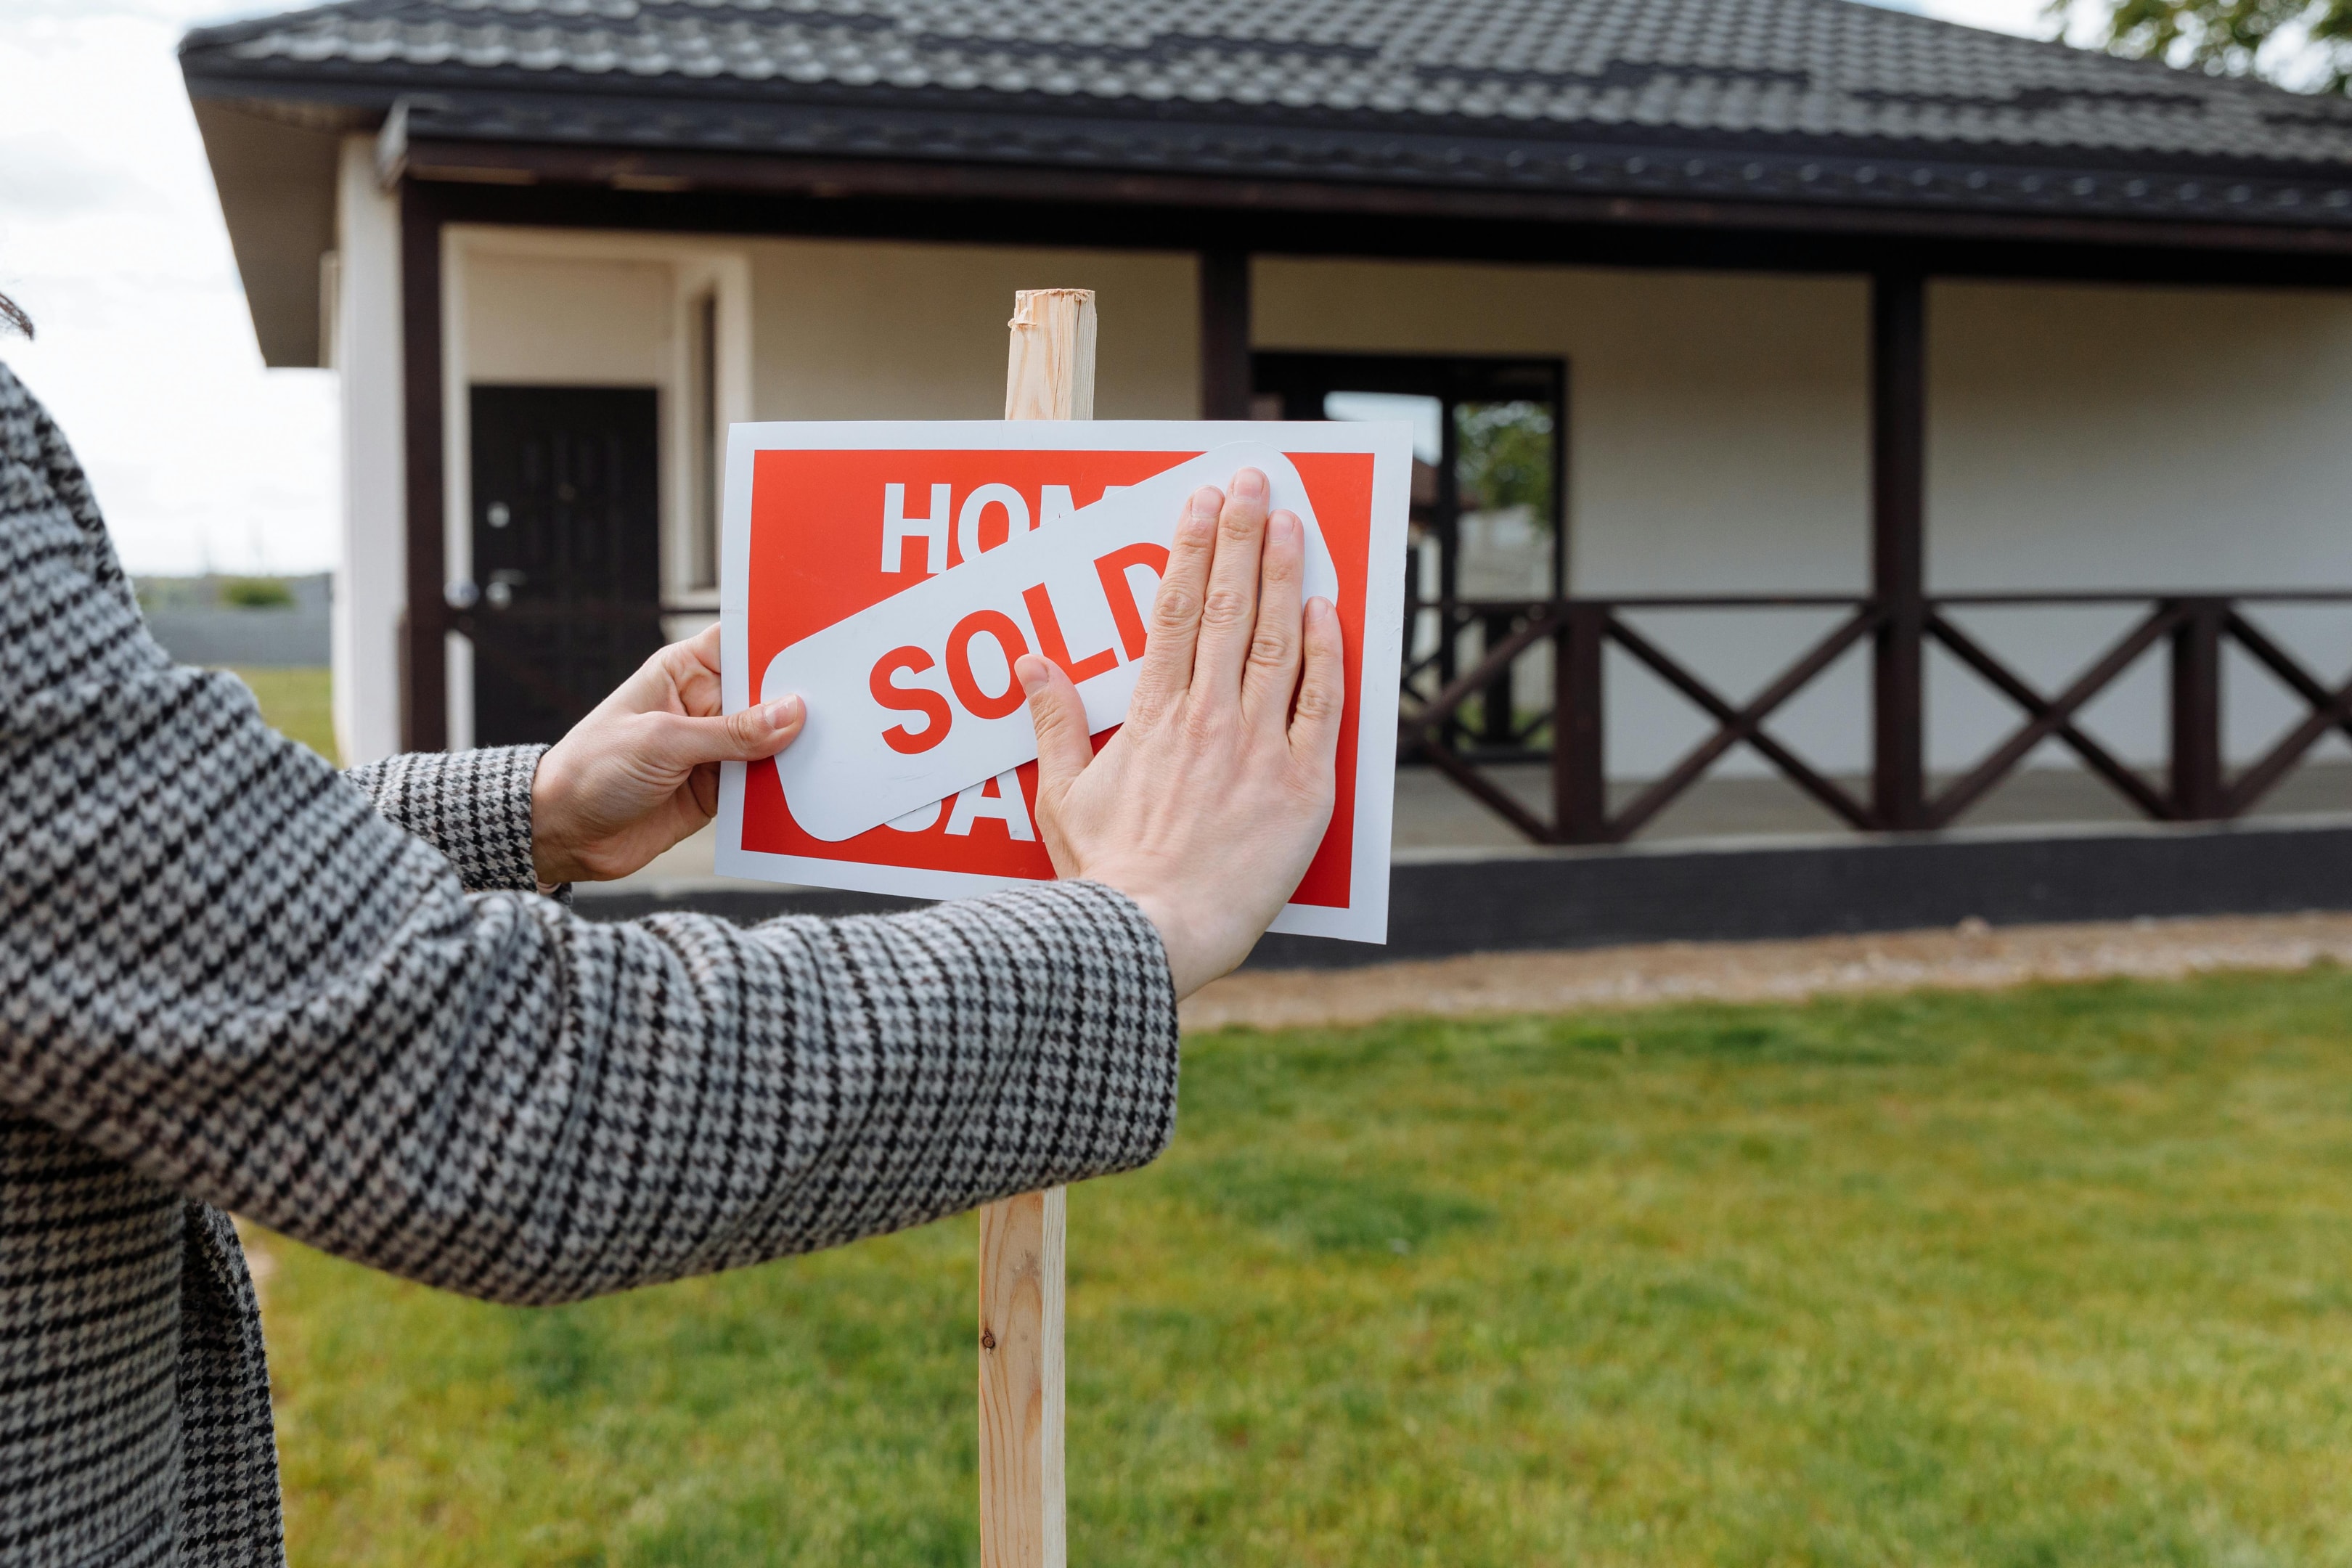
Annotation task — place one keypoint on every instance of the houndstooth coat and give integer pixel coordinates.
(232, 978)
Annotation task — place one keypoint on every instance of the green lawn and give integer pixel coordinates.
(2061, 1276)
(298, 703)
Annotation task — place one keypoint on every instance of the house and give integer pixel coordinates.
(1812, 392)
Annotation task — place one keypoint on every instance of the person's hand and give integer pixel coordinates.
(641, 771)
(1207, 805)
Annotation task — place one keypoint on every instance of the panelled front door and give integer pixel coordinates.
(567, 552)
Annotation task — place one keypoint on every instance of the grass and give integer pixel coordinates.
(2060, 1276)
(296, 703)
(256, 593)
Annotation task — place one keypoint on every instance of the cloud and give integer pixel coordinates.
(112, 237)
(45, 175)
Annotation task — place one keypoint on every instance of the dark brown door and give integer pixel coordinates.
(567, 552)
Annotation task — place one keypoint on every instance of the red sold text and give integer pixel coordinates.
(898, 681)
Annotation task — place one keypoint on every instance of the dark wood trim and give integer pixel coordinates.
(2330, 709)
(2200, 787)
(748, 193)
(1498, 656)
(1224, 335)
(424, 690)
(1898, 486)
(1742, 726)
(1580, 780)
(1562, 482)
(2194, 626)
(2001, 678)
(2266, 770)
(2050, 717)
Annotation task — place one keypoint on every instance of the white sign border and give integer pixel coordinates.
(1388, 443)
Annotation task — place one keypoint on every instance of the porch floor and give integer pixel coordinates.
(1433, 817)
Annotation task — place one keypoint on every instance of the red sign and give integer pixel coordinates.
(821, 530)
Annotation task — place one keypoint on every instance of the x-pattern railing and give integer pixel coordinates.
(1581, 629)
(2330, 709)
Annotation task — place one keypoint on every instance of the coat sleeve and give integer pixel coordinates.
(473, 807)
(219, 964)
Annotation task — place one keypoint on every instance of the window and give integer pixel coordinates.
(1490, 458)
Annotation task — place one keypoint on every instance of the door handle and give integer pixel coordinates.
(503, 582)
(463, 594)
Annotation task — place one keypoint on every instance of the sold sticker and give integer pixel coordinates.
(890, 574)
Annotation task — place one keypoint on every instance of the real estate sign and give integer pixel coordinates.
(891, 573)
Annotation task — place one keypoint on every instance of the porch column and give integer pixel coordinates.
(1899, 448)
(423, 672)
(2200, 791)
(1580, 780)
(1224, 335)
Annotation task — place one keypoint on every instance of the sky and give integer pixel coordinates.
(110, 238)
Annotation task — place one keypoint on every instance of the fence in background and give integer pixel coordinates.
(195, 625)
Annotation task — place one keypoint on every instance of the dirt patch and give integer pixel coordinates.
(1970, 956)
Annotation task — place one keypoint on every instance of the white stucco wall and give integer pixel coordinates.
(566, 320)
(1714, 441)
(855, 330)
(2080, 437)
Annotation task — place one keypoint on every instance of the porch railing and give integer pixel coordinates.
(1441, 729)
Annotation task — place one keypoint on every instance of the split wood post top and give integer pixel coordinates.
(1050, 371)
(1049, 375)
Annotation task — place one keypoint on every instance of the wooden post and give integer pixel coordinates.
(1580, 782)
(2200, 792)
(1049, 375)
(1899, 504)
(1049, 372)
(1225, 384)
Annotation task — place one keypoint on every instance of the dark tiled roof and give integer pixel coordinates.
(1786, 99)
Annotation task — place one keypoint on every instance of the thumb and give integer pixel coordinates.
(1060, 715)
(746, 735)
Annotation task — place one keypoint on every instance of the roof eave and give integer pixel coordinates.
(273, 160)
(1128, 207)
(1498, 165)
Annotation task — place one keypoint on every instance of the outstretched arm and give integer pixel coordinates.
(220, 965)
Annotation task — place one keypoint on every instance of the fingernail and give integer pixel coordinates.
(1249, 482)
(1031, 672)
(785, 712)
(1317, 608)
(1206, 503)
(1280, 527)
